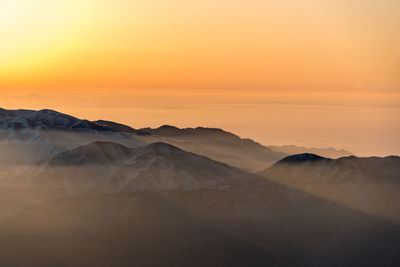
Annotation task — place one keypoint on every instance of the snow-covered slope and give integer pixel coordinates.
(161, 166)
(28, 136)
(45, 119)
(101, 167)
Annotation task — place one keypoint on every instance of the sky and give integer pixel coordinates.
(320, 73)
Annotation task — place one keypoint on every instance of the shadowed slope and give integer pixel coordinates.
(256, 223)
(369, 184)
(94, 153)
(161, 166)
(107, 167)
(216, 144)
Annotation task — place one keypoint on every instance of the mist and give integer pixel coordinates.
(98, 193)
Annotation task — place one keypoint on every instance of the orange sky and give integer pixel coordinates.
(307, 72)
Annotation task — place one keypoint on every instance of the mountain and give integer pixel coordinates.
(161, 166)
(301, 158)
(32, 132)
(216, 144)
(28, 136)
(118, 127)
(95, 153)
(81, 193)
(101, 167)
(369, 184)
(37, 134)
(107, 167)
(325, 152)
(45, 119)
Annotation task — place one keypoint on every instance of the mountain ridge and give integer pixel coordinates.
(106, 167)
(45, 119)
(328, 152)
(214, 143)
(301, 158)
(370, 184)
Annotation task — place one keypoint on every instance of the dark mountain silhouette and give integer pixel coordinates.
(118, 127)
(301, 158)
(324, 152)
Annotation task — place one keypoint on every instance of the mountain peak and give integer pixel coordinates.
(95, 152)
(50, 111)
(166, 126)
(301, 158)
(161, 148)
(328, 152)
(118, 127)
(169, 130)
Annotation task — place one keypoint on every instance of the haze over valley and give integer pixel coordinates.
(84, 193)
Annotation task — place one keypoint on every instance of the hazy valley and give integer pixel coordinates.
(98, 193)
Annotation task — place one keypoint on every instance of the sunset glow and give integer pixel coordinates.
(306, 72)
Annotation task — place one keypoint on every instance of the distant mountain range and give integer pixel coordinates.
(214, 143)
(98, 193)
